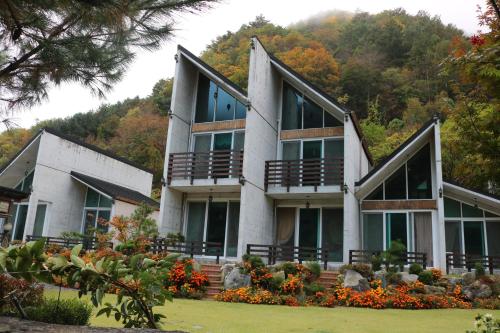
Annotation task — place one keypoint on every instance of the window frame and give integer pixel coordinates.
(97, 209)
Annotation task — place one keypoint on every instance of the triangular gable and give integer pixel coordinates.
(214, 75)
(486, 201)
(396, 159)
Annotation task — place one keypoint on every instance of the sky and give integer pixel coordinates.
(196, 31)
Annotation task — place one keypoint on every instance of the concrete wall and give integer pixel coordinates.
(257, 210)
(355, 166)
(53, 184)
(183, 101)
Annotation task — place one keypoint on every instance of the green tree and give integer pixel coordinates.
(91, 42)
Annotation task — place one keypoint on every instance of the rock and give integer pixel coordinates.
(408, 278)
(235, 280)
(434, 290)
(351, 278)
(226, 269)
(380, 275)
(484, 291)
(279, 275)
(477, 290)
(356, 281)
(468, 278)
(454, 281)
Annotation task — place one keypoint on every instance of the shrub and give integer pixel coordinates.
(415, 269)
(487, 303)
(393, 277)
(394, 255)
(377, 263)
(436, 274)
(363, 269)
(289, 268)
(314, 268)
(292, 285)
(184, 281)
(64, 312)
(486, 324)
(27, 293)
(313, 288)
(425, 277)
(478, 267)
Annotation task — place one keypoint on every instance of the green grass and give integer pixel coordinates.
(211, 316)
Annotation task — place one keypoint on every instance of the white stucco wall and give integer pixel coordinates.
(182, 106)
(65, 196)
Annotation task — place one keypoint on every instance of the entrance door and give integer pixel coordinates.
(311, 154)
(308, 232)
(396, 228)
(216, 227)
(20, 220)
(473, 237)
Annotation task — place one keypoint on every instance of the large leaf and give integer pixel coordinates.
(77, 261)
(76, 250)
(37, 248)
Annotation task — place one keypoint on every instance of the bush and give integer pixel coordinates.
(478, 267)
(487, 303)
(363, 269)
(425, 277)
(289, 268)
(312, 288)
(415, 269)
(377, 263)
(64, 312)
(26, 292)
(393, 277)
(394, 255)
(314, 268)
(252, 262)
(486, 324)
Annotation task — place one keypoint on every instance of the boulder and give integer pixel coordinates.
(484, 291)
(356, 281)
(226, 269)
(409, 278)
(235, 280)
(434, 290)
(468, 278)
(477, 290)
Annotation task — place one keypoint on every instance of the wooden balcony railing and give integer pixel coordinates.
(469, 261)
(89, 243)
(275, 253)
(192, 248)
(365, 257)
(214, 164)
(306, 172)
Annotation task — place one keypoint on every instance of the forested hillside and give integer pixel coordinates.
(393, 69)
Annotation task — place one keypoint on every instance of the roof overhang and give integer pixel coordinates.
(482, 200)
(384, 169)
(87, 184)
(214, 75)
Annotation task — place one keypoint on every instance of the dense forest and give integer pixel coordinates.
(393, 69)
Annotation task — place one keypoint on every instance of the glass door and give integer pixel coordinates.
(20, 221)
(202, 147)
(311, 170)
(237, 154)
(308, 232)
(334, 153)
(216, 224)
(396, 228)
(41, 210)
(332, 233)
(222, 155)
(473, 237)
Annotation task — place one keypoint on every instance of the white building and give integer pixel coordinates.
(286, 166)
(72, 186)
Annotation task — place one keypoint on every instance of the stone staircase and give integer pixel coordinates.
(327, 279)
(214, 278)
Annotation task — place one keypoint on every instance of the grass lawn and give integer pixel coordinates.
(211, 316)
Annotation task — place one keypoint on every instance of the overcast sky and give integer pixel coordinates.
(197, 31)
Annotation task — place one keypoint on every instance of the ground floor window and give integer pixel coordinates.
(214, 222)
(478, 237)
(96, 213)
(41, 212)
(20, 215)
(413, 229)
(320, 227)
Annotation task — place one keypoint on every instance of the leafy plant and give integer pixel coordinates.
(426, 277)
(313, 288)
(415, 269)
(314, 268)
(395, 255)
(27, 293)
(479, 269)
(485, 323)
(377, 263)
(288, 268)
(64, 312)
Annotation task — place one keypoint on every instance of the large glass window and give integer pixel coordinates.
(473, 237)
(215, 104)
(299, 112)
(396, 228)
(286, 226)
(395, 185)
(493, 232)
(333, 233)
(453, 235)
(25, 184)
(232, 229)
(373, 231)
(451, 208)
(216, 224)
(41, 211)
(471, 211)
(97, 212)
(20, 221)
(308, 228)
(196, 221)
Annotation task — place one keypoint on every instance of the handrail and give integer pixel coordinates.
(275, 253)
(468, 261)
(88, 242)
(409, 257)
(204, 165)
(192, 248)
(304, 172)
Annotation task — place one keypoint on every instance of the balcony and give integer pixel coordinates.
(294, 178)
(200, 171)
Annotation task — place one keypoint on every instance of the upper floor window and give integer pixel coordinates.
(215, 104)
(25, 184)
(413, 180)
(299, 112)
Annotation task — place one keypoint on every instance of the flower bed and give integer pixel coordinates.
(184, 281)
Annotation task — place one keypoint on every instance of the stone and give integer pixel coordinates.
(477, 290)
(484, 291)
(434, 290)
(380, 275)
(468, 278)
(356, 281)
(226, 269)
(454, 281)
(235, 280)
(409, 278)
(279, 275)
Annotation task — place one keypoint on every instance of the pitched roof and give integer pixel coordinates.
(212, 70)
(7, 192)
(326, 96)
(115, 191)
(401, 147)
(478, 191)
